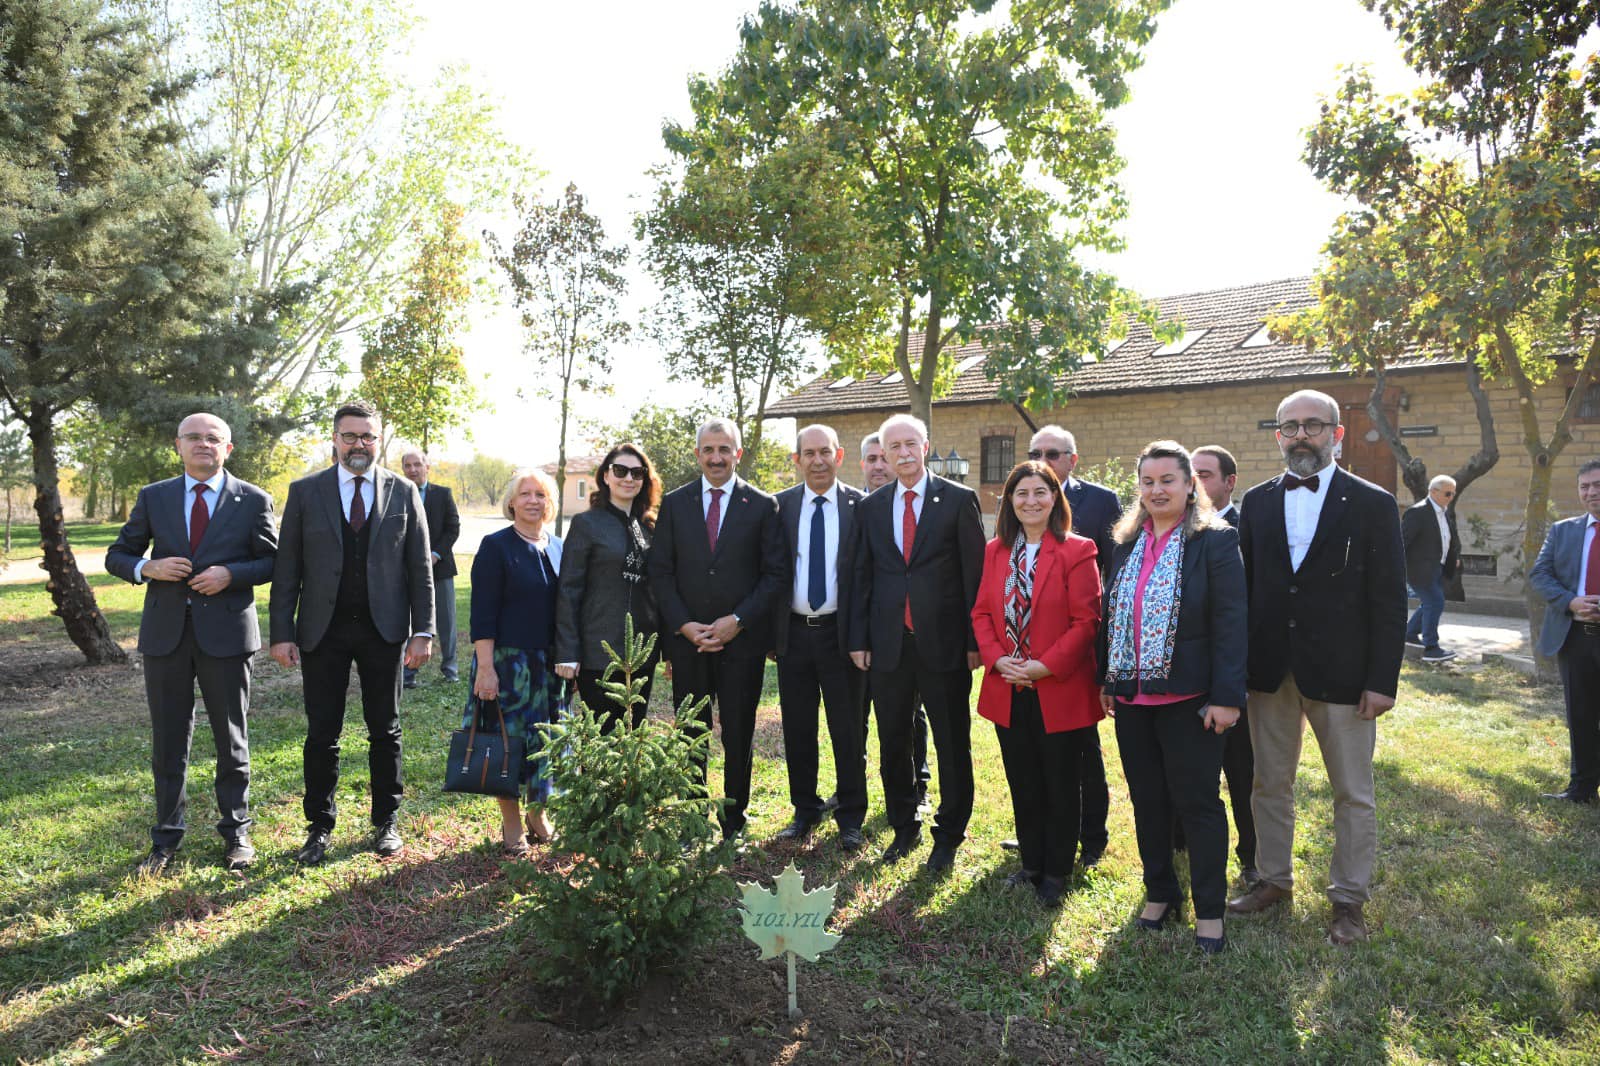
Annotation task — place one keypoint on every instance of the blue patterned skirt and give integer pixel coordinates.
(531, 695)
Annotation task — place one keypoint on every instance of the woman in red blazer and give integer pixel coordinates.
(1036, 620)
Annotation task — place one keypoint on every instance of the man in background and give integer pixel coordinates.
(444, 527)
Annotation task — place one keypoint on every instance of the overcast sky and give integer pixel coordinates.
(1212, 137)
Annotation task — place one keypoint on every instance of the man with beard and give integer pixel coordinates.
(353, 585)
(1326, 576)
(817, 517)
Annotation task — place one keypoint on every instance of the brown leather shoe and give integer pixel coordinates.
(1262, 896)
(1347, 927)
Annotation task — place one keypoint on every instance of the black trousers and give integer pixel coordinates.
(1096, 794)
(811, 671)
(945, 695)
(604, 705)
(731, 681)
(1579, 660)
(1042, 771)
(919, 736)
(325, 675)
(1239, 769)
(169, 683)
(1173, 764)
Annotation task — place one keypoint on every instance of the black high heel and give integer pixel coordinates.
(1158, 924)
(1211, 945)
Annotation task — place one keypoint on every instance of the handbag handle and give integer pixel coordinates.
(472, 735)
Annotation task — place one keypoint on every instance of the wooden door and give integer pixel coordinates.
(1364, 452)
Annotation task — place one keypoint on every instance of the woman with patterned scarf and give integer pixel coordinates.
(1175, 680)
(1036, 620)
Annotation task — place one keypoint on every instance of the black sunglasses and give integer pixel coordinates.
(623, 471)
(1051, 455)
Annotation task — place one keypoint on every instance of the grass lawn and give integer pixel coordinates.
(83, 536)
(1486, 911)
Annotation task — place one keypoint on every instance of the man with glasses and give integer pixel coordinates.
(211, 541)
(353, 585)
(1095, 509)
(1325, 570)
(1433, 565)
(444, 527)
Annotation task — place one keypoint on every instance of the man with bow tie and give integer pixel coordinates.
(1326, 574)
(211, 541)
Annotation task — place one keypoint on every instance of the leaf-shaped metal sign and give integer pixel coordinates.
(788, 918)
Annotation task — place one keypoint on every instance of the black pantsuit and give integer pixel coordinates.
(945, 695)
(326, 673)
(734, 683)
(812, 671)
(1579, 661)
(1239, 768)
(1096, 794)
(1042, 769)
(169, 683)
(1172, 763)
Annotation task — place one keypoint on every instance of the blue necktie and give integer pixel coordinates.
(817, 558)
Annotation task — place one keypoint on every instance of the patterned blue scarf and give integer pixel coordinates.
(1158, 621)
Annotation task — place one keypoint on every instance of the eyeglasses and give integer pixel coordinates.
(1314, 427)
(623, 472)
(364, 438)
(1049, 454)
(203, 438)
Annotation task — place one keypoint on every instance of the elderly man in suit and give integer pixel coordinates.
(716, 565)
(817, 517)
(353, 585)
(444, 526)
(1326, 574)
(1433, 562)
(916, 558)
(211, 541)
(1095, 509)
(1567, 575)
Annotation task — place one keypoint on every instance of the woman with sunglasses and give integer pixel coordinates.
(1175, 680)
(604, 580)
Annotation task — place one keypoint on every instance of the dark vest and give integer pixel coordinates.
(351, 602)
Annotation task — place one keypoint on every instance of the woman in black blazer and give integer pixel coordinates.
(1175, 679)
(604, 581)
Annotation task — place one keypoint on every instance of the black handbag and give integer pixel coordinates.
(484, 764)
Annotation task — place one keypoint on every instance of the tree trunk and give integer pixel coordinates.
(8, 521)
(1535, 524)
(561, 452)
(74, 599)
(91, 498)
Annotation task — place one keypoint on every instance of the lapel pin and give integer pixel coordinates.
(936, 499)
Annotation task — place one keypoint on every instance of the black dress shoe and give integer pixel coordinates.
(851, 839)
(904, 844)
(1585, 798)
(1091, 857)
(940, 859)
(796, 832)
(314, 850)
(831, 803)
(155, 864)
(386, 839)
(1010, 845)
(1049, 891)
(1023, 879)
(238, 855)
(1159, 923)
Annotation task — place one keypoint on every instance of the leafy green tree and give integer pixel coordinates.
(115, 278)
(1475, 229)
(975, 145)
(757, 259)
(487, 475)
(413, 370)
(564, 281)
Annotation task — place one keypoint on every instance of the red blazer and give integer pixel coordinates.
(1065, 623)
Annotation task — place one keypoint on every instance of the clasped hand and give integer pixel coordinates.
(208, 582)
(1020, 672)
(711, 636)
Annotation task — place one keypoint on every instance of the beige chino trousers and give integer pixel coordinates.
(1277, 726)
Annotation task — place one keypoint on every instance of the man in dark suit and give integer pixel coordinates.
(817, 517)
(1433, 564)
(444, 526)
(211, 541)
(916, 558)
(1095, 509)
(1218, 472)
(716, 565)
(353, 585)
(1326, 573)
(1567, 575)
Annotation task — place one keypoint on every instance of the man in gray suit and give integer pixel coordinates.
(1567, 575)
(353, 585)
(211, 540)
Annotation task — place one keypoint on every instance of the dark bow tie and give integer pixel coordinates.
(1290, 482)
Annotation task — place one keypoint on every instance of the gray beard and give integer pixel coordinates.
(357, 463)
(1305, 463)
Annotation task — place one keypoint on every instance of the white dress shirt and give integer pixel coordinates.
(899, 509)
(212, 496)
(347, 490)
(828, 515)
(1444, 529)
(1302, 508)
(705, 501)
(1589, 533)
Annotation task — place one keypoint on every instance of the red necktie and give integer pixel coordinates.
(358, 508)
(714, 517)
(198, 518)
(908, 537)
(1591, 580)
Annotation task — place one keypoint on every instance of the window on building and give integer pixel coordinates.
(583, 489)
(1261, 338)
(999, 455)
(1182, 344)
(1589, 408)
